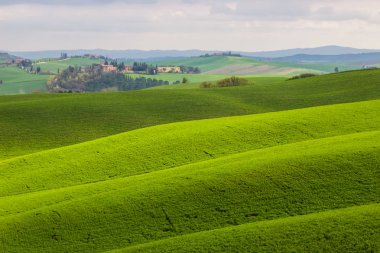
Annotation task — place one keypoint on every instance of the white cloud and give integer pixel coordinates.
(182, 24)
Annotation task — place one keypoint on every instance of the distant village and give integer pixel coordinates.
(109, 68)
(115, 66)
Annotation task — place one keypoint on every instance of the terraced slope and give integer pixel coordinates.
(37, 122)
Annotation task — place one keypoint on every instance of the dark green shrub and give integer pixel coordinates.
(227, 82)
(305, 75)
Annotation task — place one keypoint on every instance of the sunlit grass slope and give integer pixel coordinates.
(31, 123)
(180, 170)
(265, 184)
(17, 81)
(171, 145)
(194, 80)
(345, 230)
(238, 65)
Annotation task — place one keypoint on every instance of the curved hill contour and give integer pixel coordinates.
(291, 166)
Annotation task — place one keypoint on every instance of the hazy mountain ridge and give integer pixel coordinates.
(145, 54)
(350, 59)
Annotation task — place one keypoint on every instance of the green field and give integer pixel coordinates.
(95, 115)
(195, 79)
(192, 78)
(332, 231)
(248, 66)
(53, 65)
(213, 68)
(17, 81)
(277, 166)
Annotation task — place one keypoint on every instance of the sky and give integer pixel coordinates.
(240, 25)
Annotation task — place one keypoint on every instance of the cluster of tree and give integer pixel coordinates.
(120, 66)
(184, 80)
(64, 55)
(76, 79)
(25, 63)
(122, 82)
(221, 54)
(190, 70)
(227, 82)
(140, 67)
(91, 56)
(143, 67)
(305, 75)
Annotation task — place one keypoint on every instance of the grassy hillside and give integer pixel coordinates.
(17, 81)
(278, 166)
(192, 78)
(195, 79)
(5, 57)
(181, 143)
(283, 181)
(237, 65)
(324, 67)
(346, 230)
(53, 65)
(43, 121)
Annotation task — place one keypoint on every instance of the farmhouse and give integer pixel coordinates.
(128, 69)
(108, 68)
(168, 69)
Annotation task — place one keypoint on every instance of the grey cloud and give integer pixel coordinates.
(75, 2)
(186, 23)
(270, 9)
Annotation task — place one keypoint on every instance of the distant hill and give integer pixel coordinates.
(129, 54)
(144, 54)
(350, 59)
(238, 66)
(325, 50)
(4, 57)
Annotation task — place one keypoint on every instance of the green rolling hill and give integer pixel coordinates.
(65, 119)
(282, 166)
(17, 81)
(343, 230)
(232, 190)
(249, 66)
(131, 155)
(53, 65)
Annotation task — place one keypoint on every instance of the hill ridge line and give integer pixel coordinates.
(178, 122)
(289, 218)
(153, 172)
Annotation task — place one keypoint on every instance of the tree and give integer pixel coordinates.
(38, 70)
(121, 66)
(114, 63)
(336, 69)
(184, 80)
(1, 81)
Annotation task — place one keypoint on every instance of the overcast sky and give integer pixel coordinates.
(244, 25)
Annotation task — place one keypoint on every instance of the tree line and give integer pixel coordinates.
(92, 79)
